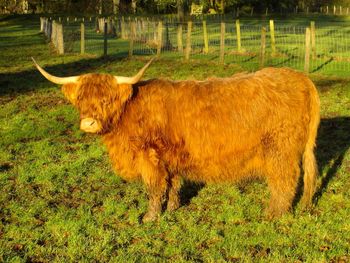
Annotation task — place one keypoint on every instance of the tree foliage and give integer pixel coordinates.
(158, 6)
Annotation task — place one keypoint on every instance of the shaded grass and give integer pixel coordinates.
(60, 201)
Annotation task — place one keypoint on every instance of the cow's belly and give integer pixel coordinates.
(229, 167)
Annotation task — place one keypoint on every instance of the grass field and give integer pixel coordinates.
(60, 201)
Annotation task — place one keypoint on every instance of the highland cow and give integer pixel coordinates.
(261, 124)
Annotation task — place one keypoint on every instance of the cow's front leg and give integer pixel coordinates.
(154, 175)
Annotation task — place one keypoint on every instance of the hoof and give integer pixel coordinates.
(272, 214)
(150, 217)
(172, 206)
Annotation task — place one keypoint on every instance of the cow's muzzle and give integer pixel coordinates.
(90, 125)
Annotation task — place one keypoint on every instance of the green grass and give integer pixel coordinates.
(60, 201)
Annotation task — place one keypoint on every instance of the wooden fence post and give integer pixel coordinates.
(105, 39)
(137, 31)
(148, 33)
(143, 32)
(273, 42)
(82, 38)
(160, 38)
(313, 39)
(205, 37)
(122, 28)
(188, 40)
(41, 24)
(238, 32)
(49, 29)
(155, 32)
(45, 26)
(222, 42)
(102, 23)
(263, 47)
(60, 42)
(179, 38)
(132, 37)
(53, 37)
(307, 51)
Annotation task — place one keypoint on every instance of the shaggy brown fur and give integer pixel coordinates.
(260, 124)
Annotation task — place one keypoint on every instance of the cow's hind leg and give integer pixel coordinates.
(154, 176)
(282, 180)
(173, 193)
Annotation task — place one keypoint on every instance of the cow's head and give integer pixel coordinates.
(100, 98)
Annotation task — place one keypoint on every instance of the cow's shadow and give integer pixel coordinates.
(333, 141)
(188, 191)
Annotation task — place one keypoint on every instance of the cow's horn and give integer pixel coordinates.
(55, 79)
(134, 79)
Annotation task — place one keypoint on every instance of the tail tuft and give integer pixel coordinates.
(310, 175)
(309, 160)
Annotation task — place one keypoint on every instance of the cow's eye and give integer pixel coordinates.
(95, 116)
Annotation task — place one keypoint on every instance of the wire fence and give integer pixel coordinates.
(250, 46)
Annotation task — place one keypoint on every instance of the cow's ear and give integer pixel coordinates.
(125, 92)
(70, 91)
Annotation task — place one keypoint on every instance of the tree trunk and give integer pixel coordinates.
(133, 6)
(116, 6)
(222, 6)
(180, 9)
(43, 6)
(100, 7)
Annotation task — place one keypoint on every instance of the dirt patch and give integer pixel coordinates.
(6, 99)
(4, 167)
(49, 100)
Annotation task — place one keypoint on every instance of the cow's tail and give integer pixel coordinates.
(309, 160)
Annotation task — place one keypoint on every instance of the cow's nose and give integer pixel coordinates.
(90, 125)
